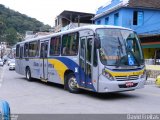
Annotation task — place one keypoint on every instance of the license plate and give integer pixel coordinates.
(129, 84)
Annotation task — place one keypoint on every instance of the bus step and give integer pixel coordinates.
(44, 80)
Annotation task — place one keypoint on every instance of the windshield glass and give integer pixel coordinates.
(120, 47)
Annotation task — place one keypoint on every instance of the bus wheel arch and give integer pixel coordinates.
(70, 82)
(28, 73)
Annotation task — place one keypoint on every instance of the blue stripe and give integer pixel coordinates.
(72, 65)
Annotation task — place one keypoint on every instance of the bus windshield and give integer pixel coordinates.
(119, 47)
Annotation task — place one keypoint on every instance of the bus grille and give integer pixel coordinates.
(126, 78)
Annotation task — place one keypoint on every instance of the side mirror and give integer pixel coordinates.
(97, 43)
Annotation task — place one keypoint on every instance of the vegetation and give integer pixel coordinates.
(13, 25)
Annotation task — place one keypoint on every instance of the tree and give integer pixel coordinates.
(2, 30)
(11, 36)
(13, 25)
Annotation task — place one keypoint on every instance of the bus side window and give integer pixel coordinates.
(38, 46)
(70, 43)
(89, 49)
(42, 49)
(17, 51)
(26, 50)
(32, 49)
(55, 44)
(46, 50)
(21, 52)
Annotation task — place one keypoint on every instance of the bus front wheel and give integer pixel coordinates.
(28, 74)
(71, 83)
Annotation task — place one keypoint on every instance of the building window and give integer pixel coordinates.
(98, 22)
(55, 46)
(116, 18)
(106, 20)
(70, 44)
(138, 18)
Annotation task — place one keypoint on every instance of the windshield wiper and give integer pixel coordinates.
(118, 53)
(120, 45)
(119, 57)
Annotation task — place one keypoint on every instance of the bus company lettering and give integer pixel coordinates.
(50, 66)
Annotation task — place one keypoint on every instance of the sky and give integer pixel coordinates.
(47, 10)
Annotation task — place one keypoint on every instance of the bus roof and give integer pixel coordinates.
(91, 27)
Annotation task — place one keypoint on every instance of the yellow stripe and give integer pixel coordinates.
(125, 73)
(59, 67)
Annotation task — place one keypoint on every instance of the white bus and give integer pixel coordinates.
(96, 58)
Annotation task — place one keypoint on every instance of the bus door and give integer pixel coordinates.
(86, 56)
(44, 61)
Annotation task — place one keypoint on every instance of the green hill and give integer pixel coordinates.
(13, 25)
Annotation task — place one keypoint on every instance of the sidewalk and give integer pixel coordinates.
(0, 71)
(150, 81)
(1, 75)
(153, 71)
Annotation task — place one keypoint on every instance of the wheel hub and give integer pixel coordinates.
(72, 83)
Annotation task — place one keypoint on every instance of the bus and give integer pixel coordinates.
(98, 58)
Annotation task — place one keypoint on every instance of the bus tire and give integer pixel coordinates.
(71, 83)
(28, 74)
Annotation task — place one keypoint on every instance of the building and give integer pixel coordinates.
(30, 34)
(71, 19)
(139, 15)
(3, 46)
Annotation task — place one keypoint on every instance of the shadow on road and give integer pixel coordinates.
(110, 96)
(37, 81)
(100, 96)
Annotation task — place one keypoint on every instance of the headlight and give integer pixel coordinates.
(107, 74)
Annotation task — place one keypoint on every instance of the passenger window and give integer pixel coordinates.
(38, 47)
(26, 50)
(89, 49)
(55, 45)
(17, 51)
(21, 52)
(32, 49)
(70, 44)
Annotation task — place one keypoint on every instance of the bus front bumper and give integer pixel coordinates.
(119, 86)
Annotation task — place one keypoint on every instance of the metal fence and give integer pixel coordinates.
(149, 61)
(152, 62)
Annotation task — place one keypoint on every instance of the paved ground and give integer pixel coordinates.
(38, 97)
(1, 75)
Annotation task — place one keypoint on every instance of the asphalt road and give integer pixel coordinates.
(37, 97)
